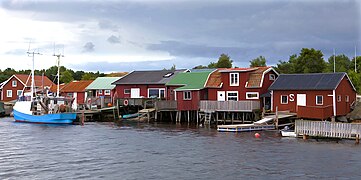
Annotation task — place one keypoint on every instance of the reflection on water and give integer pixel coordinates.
(166, 151)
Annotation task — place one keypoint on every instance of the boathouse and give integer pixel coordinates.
(144, 84)
(14, 86)
(76, 90)
(313, 96)
(101, 91)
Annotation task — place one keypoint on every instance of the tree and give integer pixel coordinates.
(342, 64)
(224, 61)
(258, 62)
(310, 61)
(88, 76)
(358, 64)
(78, 75)
(200, 67)
(66, 77)
(355, 79)
(212, 65)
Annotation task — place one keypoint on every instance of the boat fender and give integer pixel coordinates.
(125, 102)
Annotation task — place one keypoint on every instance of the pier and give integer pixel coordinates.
(325, 129)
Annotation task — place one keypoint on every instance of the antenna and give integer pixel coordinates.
(58, 64)
(32, 54)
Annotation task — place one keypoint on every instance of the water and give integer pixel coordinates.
(166, 151)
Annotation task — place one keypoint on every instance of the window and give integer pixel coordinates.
(272, 77)
(339, 98)
(319, 100)
(19, 92)
(347, 98)
(126, 91)
(284, 99)
(14, 83)
(232, 95)
(100, 91)
(187, 95)
(107, 92)
(69, 94)
(252, 95)
(156, 93)
(234, 79)
(9, 93)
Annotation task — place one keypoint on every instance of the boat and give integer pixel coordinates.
(288, 133)
(129, 116)
(39, 107)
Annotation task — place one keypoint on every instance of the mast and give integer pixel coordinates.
(58, 74)
(32, 72)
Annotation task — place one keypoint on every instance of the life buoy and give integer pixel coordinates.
(125, 102)
(89, 101)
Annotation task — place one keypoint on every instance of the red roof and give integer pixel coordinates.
(76, 86)
(255, 77)
(236, 69)
(214, 80)
(39, 80)
(54, 87)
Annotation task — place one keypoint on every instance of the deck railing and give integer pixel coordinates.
(236, 106)
(315, 112)
(327, 129)
(165, 105)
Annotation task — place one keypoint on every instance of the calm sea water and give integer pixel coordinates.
(166, 151)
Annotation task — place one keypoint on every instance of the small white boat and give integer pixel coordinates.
(288, 133)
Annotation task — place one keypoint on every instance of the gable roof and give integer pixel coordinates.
(76, 86)
(190, 80)
(38, 80)
(256, 77)
(314, 81)
(214, 80)
(237, 69)
(54, 87)
(148, 77)
(102, 83)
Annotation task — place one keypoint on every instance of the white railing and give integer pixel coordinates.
(236, 106)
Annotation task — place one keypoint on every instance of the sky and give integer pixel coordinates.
(125, 35)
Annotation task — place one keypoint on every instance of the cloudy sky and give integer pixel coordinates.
(113, 36)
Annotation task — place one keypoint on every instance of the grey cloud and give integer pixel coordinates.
(113, 39)
(88, 47)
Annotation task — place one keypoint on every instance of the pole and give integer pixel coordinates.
(32, 78)
(355, 61)
(334, 60)
(58, 74)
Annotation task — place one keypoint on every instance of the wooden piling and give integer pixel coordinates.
(357, 139)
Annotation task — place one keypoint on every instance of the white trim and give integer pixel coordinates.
(286, 99)
(347, 98)
(209, 75)
(9, 93)
(272, 100)
(265, 72)
(247, 93)
(334, 102)
(175, 95)
(184, 95)
(230, 79)
(237, 70)
(273, 77)
(232, 96)
(159, 89)
(14, 83)
(106, 92)
(321, 100)
(100, 91)
(339, 99)
(17, 92)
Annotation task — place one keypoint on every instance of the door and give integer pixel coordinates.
(134, 93)
(301, 99)
(221, 96)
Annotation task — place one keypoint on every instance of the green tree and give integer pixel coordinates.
(342, 64)
(66, 77)
(258, 62)
(358, 64)
(200, 67)
(224, 61)
(78, 75)
(355, 79)
(212, 65)
(89, 76)
(310, 61)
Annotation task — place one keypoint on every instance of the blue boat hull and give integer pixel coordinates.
(61, 118)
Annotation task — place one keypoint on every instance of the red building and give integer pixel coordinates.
(314, 96)
(144, 84)
(236, 84)
(19, 83)
(76, 90)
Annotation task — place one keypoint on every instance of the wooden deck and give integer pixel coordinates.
(166, 105)
(229, 106)
(327, 129)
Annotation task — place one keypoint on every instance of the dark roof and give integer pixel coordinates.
(148, 77)
(316, 81)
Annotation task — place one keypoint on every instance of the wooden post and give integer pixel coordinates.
(357, 139)
(118, 108)
(156, 115)
(232, 117)
(188, 116)
(197, 116)
(276, 120)
(171, 116)
(304, 137)
(180, 116)
(82, 118)
(216, 117)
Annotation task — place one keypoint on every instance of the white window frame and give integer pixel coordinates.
(286, 99)
(14, 83)
(272, 77)
(339, 98)
(248, 93)
(187, 95)
(127, 92)
(100, 91)
(9, 93)
(159, 90)
(19, 92)
(228, 92)
(321, 100)
(107, 92)
(347, 98)
(236, 79)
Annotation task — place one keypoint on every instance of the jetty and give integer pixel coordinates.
(325, 129)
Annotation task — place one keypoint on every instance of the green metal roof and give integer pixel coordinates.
(102, 83)
(190, 80)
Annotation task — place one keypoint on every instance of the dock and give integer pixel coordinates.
(325, 129)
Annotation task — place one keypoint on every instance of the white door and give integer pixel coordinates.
(75, 103)
(301, 99)
(134, 93)
(221, 96)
